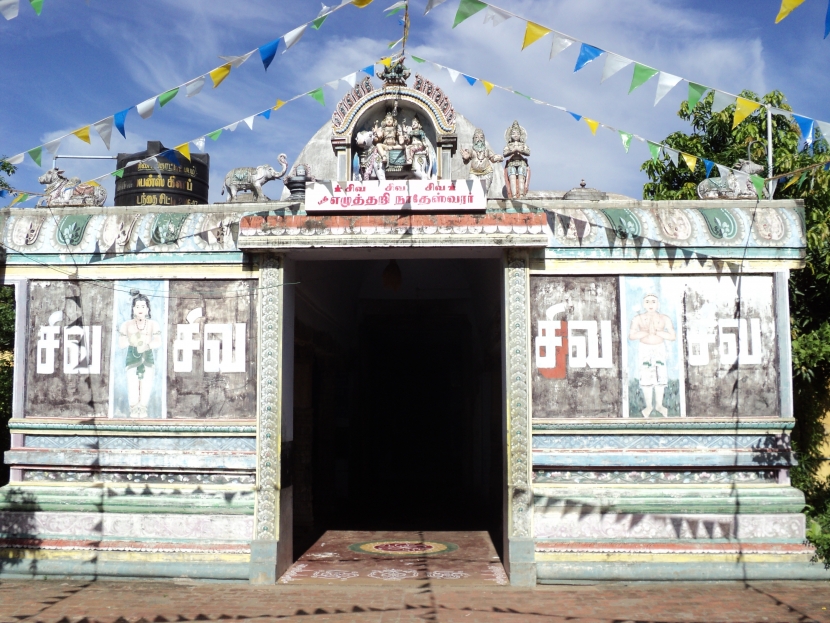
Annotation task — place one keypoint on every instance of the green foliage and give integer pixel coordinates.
(7, 168)
(6, 371)
(712, 137)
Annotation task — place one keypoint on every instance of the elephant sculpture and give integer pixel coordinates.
(253, 179)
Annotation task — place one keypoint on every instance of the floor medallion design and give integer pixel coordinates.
(403, 548)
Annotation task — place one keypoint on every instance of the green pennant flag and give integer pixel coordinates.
(522, 94)
(318, 95)
(758, 183)
(167, 96)
(119, 173)
(35, 154)
(318, 22)
(654, 148)
(391, 13)
(467, 8)
(626, 139)
(417, 59)
(696, 91)
(214, 135)
(37, 5)
(642, 74)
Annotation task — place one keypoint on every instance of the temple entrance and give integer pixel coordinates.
(397, 399)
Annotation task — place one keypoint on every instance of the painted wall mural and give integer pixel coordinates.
(141, 349)
(654, 347)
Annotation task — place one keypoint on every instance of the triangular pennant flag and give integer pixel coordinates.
(394, 11)
(293, 37)
(351, 79)
(317, 94)
(18, 159)
(522, 95)
(236, 61)
(708, 164)
(268, 51)
(318, 22)
(824, 128)
(469, 79)
(495, 15)
(153, 162)
(626, 139)
(9, 8)
(83, 134)
(360, 4)
(466, 8)
(488, 86)
(591, 124)
(199, 143)
(696, 91)
(35, 154)
(758, 183)
(691, 161)
(743, 108)
(52, 146)
(369, 69)
(214, 135)
(391, 45)
(37, 5)
(642, 74)
(104, 129)
(165, 97)
(20, 198)
(184, 150)
(722, 101)
(386, 61)
(453, 73)
(249, 121)
(654, 148)
(333, 84)
(145, 109)
(432, 4)
(574, 115)
(171, 156)
(398, 5)
(787, 7)
(231, 127)
(278, 105)
(613, 64)
(587, 53)
(534, 32)
(219, 74)
(673, 155)
(724, 171)
(665, 83)
(805, 125)
(265, 113)
(559, 44)
(827, 22)
(194, 86)
(3, 192)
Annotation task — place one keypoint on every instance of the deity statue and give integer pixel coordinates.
(516, 166)
(480, 158)
(419, 152)
(387, 136)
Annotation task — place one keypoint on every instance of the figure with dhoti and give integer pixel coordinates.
(516, 165)
(140, 336)
(481, 160)
(652, 330)
(388, 135)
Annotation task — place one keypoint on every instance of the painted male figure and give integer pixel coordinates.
(652, 329)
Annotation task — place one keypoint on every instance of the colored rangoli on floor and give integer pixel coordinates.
(403, 548)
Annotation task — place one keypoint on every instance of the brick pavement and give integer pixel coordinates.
(160, 602)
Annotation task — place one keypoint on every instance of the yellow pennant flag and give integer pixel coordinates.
(219, 74)
(184, 150)
(488, 86)
(743, 108)
(82, 133)
(279, 105)
(386, 61)
(787, 7)
(794, 179)
(533, 33)
(691, 161)
(91, 183)
(591, 124)
(360, 4)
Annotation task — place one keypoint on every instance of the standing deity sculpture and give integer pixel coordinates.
(516, 166)
(481, 160)
(418, 150)
(388, 136)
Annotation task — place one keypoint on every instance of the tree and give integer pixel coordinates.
(7, 168)
(712, 137)
(6, 349)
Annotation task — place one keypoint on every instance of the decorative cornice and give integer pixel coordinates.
(18, 426)
(624, 425)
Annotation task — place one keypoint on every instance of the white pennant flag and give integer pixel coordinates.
(721, 101)
(824, 128)
(395, 6)
(199, 143)
(52, 146)
(665, 83)
(432, 4)
(351, 79)
(453, 74)
(145, 108)
(18, 159)
(324, 10)
(613, 64)
(724, 171)
(293, 37)
(154, 163)
(673, 154)
(560, 43)
(236, 61)
(495, 15)
(194, 86)
(231, 127)
(249, 121)
(333, 84)
(9, 8)
(104, 129)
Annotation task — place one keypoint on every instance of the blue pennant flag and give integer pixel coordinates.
(587, 53)
(369, 70)
(827, 22)
(268, 51)
(805, 124)
(120, 118)
(469, 79)
(3, 193)
(574, 115)
(171, 155)
(265, 113)
(827, 167)
(709, 165)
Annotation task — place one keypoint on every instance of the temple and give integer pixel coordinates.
(414, 337)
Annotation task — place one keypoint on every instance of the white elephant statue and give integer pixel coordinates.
(253, 179)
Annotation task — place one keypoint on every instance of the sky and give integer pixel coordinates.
(83, 60)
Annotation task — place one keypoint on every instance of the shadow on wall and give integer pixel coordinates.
(18, 531)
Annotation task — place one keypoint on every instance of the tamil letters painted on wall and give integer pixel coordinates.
(142, 349)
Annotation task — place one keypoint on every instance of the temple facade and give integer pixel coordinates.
(413, 337)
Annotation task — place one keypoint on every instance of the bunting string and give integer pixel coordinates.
(642, 73)
(190, 88)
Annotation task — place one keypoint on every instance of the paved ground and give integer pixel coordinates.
(105, 602)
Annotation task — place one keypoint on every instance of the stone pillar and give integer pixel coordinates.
(519, 516)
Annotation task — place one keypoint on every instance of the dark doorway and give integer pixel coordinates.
(397, 403)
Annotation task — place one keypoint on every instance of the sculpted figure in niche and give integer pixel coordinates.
(418, 151)
(652, 330)
(481, 159)
(516, 166)
(388, 135)
(140, 336)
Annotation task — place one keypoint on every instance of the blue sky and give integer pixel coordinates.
(82, 61)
